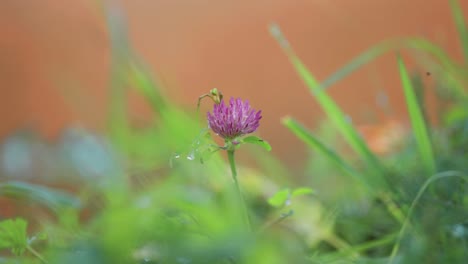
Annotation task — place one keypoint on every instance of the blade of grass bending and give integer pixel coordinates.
(313, 142)
(393, 45)
(333, 111)
(461, 26)
(453, 76)
(337, 117)
(417, 121)
(53, 199)
(361, 248)
(362, 59)
(406, 224)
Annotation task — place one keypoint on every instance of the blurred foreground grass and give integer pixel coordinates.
(142, 195)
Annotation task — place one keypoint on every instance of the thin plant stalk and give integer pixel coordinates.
(36, 254)
(421, 191)
(245, 212)
(340, 244)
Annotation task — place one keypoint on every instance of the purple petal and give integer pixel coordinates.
(233, 120)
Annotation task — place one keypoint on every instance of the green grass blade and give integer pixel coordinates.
(443, 65)
(461, 26)
(336, 115)
(411, 44)
(313, 142)
(53, 199)
(417, 121)
(356, 63)
(143, 82)
(331, 109)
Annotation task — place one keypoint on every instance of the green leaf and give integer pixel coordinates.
(280, 198)
(302, 191)
(13, 235)
(417, 121)
(54, 199)
(258, 141)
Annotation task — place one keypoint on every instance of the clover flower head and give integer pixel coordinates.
(234, 120)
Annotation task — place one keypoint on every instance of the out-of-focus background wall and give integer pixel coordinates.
(55, 57)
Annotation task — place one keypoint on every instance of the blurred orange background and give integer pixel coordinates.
(55, 57)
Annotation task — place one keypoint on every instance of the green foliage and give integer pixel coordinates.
(54, 199)
(337, 117)
(301, 191)
(13, 235)
(258, 141)
(365, 220)
(280, 198)
(415, 202)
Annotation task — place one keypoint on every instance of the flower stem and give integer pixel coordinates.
(238, 189)
(36, 254)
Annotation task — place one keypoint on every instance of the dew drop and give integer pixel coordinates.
(191, 156)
